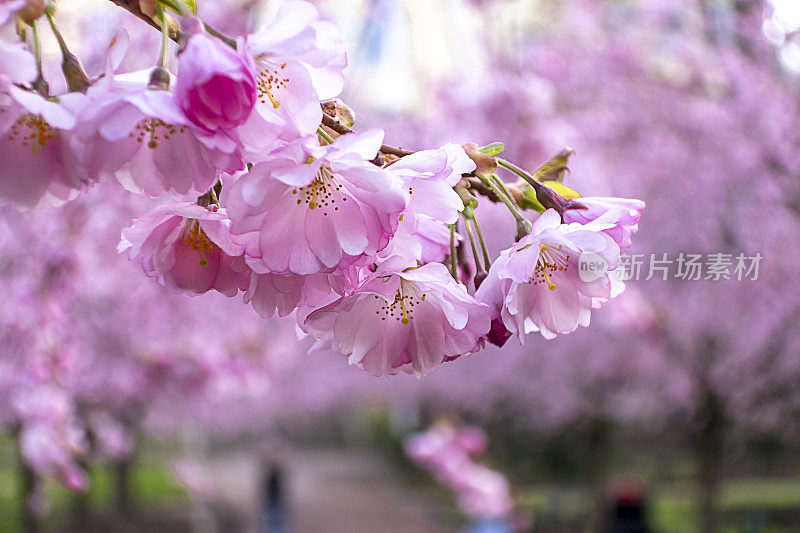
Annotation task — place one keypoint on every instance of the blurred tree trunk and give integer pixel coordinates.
(27, 487)
(709, 443)
(81, 506)
(598, 458)
(123, 502)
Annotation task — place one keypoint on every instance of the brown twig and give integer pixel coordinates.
(132, 6)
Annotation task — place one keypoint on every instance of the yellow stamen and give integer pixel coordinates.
(195, 238)
(405, 319)
(33, 131)
(275, 103)
(313, 203)
(152, 143)
(550, 284)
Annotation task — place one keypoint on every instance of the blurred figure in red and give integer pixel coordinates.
(629, 507)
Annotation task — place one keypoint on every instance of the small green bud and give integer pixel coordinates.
(486, 165)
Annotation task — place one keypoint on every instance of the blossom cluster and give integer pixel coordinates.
(261, 188)
(447, 452)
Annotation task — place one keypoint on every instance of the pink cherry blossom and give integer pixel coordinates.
(299, 60)
(284, 293)
(38, 168)
(140, 136)
(444, 450)
(403, 321)
(536, 285)
(215, 85)
(309, 209)
(188, 248)
(482, 492)
(623, 213)
(429, 177)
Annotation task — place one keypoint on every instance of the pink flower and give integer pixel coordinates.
(309, 209)
(215, 85)
(38, 168)
(622, 213)
(429, 177)
(409, 321)
(141, 136)
(536, 284)
(188, 248)
(284, 293)
(299, 60)
(419, 238)
(482, 492)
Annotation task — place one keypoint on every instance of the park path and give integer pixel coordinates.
(329, 490)
(355, 491)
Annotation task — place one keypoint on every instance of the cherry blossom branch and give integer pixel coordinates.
(133, 7)
(331, 121)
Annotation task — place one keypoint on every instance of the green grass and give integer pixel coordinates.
(673, 505)
(152, 486)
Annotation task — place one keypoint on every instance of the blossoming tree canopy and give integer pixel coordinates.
(259, 186)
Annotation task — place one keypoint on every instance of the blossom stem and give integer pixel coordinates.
(324, 134)
(453, 256)
(40, 84)
(486, 260)
(537, 186)
(77, 79)
(224, 38)
(519, 172)
(162, 18)
(503, 198)
(475, 254)
(502, 186)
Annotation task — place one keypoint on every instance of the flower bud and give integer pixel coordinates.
(340, 111)
(479, 278)
(554, 195)
(498, 334)
(486, 164)
(159, 79)
(215, 86)
(32, 10)
(77, 79)
(524, 227)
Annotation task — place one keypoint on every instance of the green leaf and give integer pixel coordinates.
(180, 6)
(564, 191)
(493, 149)
(555, 168)
(529, 200)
